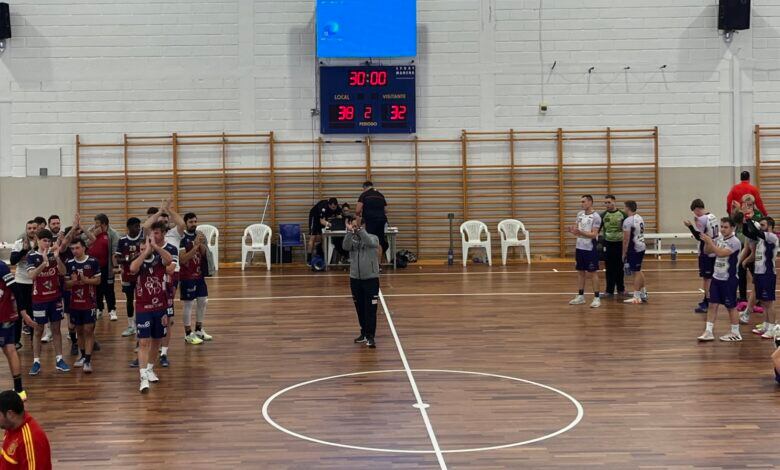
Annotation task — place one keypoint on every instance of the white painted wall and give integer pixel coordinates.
(101, 69)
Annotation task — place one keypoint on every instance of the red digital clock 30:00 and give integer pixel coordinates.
(367, 100)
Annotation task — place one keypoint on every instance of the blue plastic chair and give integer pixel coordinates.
(290, 236)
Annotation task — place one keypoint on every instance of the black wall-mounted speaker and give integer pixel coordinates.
(5, 21)
(734, 15)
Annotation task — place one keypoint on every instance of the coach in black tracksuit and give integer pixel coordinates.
(363, 277)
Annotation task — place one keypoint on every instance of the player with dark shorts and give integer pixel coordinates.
(634, 251)
(127, 250)
(318, 220)
(82, 278)
(586, 230)
(192, 253)
(723, 288)
(706, 223)
(152, 296)
(8, 316)
(45, 268)
(764, 277)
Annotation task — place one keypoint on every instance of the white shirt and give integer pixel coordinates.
(587, 223)
(173, 237)
(636, 226)
(709, 224)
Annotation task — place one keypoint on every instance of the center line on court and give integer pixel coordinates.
(420, 405)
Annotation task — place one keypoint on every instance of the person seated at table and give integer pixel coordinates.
(318, 220)
(338, 223)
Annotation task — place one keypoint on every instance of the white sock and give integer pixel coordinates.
(200, 312)
(735, 329)
(164, 351)
(709, 326)
(150, 367)
(130, 322)
(58, 358)
(187, 304)
(37, 359)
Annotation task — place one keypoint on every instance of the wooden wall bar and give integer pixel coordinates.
(534, 176)
(767, 148)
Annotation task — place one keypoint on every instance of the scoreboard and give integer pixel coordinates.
(367, 100)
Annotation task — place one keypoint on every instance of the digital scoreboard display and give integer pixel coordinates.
(367, 100)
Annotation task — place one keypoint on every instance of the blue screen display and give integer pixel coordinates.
(366, 28)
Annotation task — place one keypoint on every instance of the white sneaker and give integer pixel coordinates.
(203, 335)
(596, 303)
(79, 363)
(731, 337)
(579, 300)
(744, 317)
(144, 385)
(706, 336)
(633, 300)
(46, 335)
(192, 339)
(770, 334)
(99, 314)
(112, 315)
(152, 376)
(129, 331)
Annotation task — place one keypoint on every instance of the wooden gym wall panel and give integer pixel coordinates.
(233, 180)
(767, 148)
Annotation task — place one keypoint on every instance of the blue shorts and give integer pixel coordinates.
(66, 301)
(724, 292)
(7, 334)
(83, 317)
(47, 312)
(706, 266)
(149, 325)
(634, 260)
(587, 260)
(765, 285)
(193, 289)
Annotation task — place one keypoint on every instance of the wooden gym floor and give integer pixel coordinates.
(652, 396)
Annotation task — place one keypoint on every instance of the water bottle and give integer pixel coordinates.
(450, 257)
(674, 252)
(627, 269)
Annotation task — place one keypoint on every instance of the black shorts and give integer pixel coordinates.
(377, 227)
(315, 227)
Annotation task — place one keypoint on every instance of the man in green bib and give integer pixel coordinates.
(612, 230)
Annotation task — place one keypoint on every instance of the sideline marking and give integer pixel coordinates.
(572, 424)
(423, 407)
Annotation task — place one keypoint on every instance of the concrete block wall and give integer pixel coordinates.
(101, 69)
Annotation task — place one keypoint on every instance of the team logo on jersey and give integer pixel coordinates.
(12, 448)
(47, 285)
(153, 285)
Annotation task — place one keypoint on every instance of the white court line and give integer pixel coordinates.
(389, 274)
(475, 294)
(423, 407)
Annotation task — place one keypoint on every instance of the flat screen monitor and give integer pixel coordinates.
(366, 28)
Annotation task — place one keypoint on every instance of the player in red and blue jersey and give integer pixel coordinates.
(127, 250)
(193, 283)
(8, 317)
(157, 258)
(82, 277)
(45, 268)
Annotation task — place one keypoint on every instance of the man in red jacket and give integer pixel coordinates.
(742, 188)
(25, 445)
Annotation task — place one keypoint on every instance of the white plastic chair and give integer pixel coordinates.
(212, 241)
(260, 236)
(471, 237)
(508, 230)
